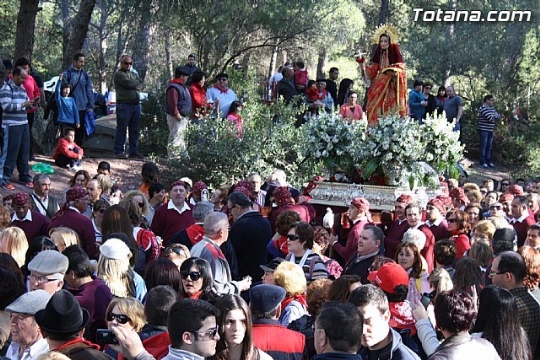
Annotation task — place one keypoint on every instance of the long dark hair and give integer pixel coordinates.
(498, 319)
(343, 90)
(225, 304)
(206, 273)
(394, 54)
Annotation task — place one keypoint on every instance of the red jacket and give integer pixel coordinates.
(301, 77)
(277, 341)
(66, 148)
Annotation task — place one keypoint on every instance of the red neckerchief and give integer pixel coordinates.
(195, 233)
(177, 81)
(300, 298)
(401, 316)
(321, 97)
(75, 341)
(221, 91)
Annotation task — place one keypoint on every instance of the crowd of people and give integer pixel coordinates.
(246, 271)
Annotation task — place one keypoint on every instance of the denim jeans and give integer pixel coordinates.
(486, 142)
(127, 115)
(18, 152)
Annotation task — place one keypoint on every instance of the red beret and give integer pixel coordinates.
(446, 200)
(75, 193)
(405, 198)
(21, 198)
(516, 190)
(506, 197)
(437, 203)
(459, 194)
(198, 187)
(360, 203)
(282, 196)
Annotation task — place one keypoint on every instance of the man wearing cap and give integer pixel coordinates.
(178, 107)
(176, 216)
(27, 341)
(268, 277)
(42, 200)
(216, 232)
(63, 322)
(435, 219)
(358, 214)
(249, 235)
(397, 228)
(379, 340)
(30, 221)
(71, 216)
(47, 270)
(268, 335)
(91, 293)
(368, 248)
(221, 95)
(337, 332)
(128, 109)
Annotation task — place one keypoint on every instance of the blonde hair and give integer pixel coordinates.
(105, 183)
(129, 196)
(5, 218)
(486, 227)
(117, 275)
(132, 308)
(291, 277)
(15, 243)
(474, 196)
(470, 186)
(52, 355)
(440, 280)
(64, 237)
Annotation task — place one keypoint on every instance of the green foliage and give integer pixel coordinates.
(270, 140)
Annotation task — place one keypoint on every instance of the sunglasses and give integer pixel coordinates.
(194, 275)
(496, 208)
(127, 63)
(210, 333)
(293, 237)
(120, 318)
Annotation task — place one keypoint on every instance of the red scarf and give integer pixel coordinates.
(221, 91)
(300, 298)
(321, 96)
(195, 233)
(177, 81)
(75, 341)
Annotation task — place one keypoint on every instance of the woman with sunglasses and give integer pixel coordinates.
(300, 247)
(459, 227)
(127, 313)
(197, 280)
(236, 331)
(97, 217)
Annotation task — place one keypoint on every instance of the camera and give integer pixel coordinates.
(106, 336)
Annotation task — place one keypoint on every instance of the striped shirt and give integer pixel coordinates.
(487, 116)
(12, 98)
(313, 266)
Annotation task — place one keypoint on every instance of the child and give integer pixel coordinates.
(68, 113)
(300, 76)
(235, 117)
(67, 153)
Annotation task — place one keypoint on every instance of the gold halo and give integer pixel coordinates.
(388, 30)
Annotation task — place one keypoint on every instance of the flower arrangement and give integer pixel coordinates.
(334, 141)
(402, 150)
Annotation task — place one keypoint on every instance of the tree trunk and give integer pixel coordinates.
(168, 54)
(26, 25)
(450, 33)
(102, 56)
(321, 63)
(384, 12)
(144, 40)
(76, 31)
(273, 61)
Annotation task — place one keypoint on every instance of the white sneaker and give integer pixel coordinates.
(75, 168)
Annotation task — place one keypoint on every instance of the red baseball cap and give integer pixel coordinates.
(389, 276)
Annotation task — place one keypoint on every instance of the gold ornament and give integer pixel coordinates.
(386, 29)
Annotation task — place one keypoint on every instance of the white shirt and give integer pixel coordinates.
(171, 206)
(27, 217)
(39, 347)
(225, 99)
(42, 209)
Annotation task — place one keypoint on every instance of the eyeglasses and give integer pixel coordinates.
(193, 275)
(120, 318)
(292, 237)
(495, 208)
(127, 63)
(229, 210)
(210, 333)
(452, 220)
(493, 273)
(40, 279)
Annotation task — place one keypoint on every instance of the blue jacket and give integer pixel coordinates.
(415, 98)
(81, 88)
(68, 113)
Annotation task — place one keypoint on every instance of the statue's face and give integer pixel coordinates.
(384, 42)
